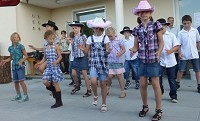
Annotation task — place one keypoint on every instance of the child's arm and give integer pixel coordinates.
(108, 49)
(58, 51)
(41, 62)
(3, 62)
(37, 49)
(84, 49)
(122, 51)
(160, 45)
(174, 49)
(24, 58)
(135, 48)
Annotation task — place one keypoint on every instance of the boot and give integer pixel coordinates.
(58, 100)
(52, 89)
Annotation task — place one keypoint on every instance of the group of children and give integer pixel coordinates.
(148, 53)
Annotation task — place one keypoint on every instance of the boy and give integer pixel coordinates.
(189, 39)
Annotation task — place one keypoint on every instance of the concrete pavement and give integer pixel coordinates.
(77, 108)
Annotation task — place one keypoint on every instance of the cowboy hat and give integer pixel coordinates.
(50, 23)
(98, 23)
(163, 21)
(126, 28)
(143, 6)
(76, 23)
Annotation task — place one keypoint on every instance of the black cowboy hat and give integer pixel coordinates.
(163, 21)
(50, 23)
(76, 23)
(126, 28)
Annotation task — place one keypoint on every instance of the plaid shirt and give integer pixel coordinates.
(98, 56)
(77, 53)
(148, 41)
(115, 46)
(17, 55)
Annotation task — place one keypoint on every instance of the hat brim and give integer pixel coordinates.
(167, 24)
(122, 32)
(92, 24)
(81, 25)
(136, 10)
(45, 24)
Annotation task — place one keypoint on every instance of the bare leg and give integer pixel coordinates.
(24, 88)
(85, 76)
(198, 77)
(157, 91)
(57, 87)
(75, 78)
(46, 83)
(110, 76)
(179, 76)
(143, 90)
(121, 81)
(17, 88)
(94, 86)
(103, 91)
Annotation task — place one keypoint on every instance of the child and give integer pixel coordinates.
(149, 44)
(115, 60)
(188, 38)
(168, 60)
(18, 56)
(80, 59)
(52, 74)
(130, 62)
(98, 44)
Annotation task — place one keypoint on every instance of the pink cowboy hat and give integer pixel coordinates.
(98, 23)
(142, 6)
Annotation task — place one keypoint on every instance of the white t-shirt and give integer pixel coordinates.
(97, 39)
(170, 41)
(188, 41)
(129, 44)
(71, 57)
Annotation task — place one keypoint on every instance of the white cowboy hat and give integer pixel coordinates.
(98, 23)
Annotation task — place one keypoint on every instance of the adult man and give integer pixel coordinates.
(172, 28)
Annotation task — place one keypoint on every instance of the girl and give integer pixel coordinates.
(115, 60)
(98, 44)
(150, 37)
(80, 59)
(18, 56)
(52, 74)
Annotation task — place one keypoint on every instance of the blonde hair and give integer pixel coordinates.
(12, 36)
(110, 31)
(49, 33)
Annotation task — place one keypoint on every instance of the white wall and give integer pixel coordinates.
(25, 24)
(7, 27)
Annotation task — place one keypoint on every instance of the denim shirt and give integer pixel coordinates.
(17, 55)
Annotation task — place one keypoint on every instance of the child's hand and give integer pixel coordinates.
(168, 52)
(54, 63)
(3, 62)
(131, 52)
(81, 47)
(118, 54)
(108, 50)
(158, 53)
(69, 40)
(37, 65)
(20, 63)
(180, 55)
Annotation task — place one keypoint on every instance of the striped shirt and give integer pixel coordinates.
(148, 41)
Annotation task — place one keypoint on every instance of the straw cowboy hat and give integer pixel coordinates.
(163, 21)
(98, 23)
(143, 6)
(50, 23)
(76, 23)
(126, 28)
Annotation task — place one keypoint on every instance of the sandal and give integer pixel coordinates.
(158, 115)
(144, 112)
(123, 94)
(103, 108)
(95, 100)
(75, 90)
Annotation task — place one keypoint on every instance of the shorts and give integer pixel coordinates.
(18, 74)
(101, 77)
(195, 65)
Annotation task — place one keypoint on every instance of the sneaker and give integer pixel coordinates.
(71, 83)
(137, 85)
(75, 90)
(103, 108)
(198, 88)
(24, 98)
(17, 97)
(127, 85)
(178, 85)
(88, 93)
(174, 100)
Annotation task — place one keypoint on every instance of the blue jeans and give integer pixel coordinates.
(171, 75)
(18, 74)
(131, 64)
(70, 71)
